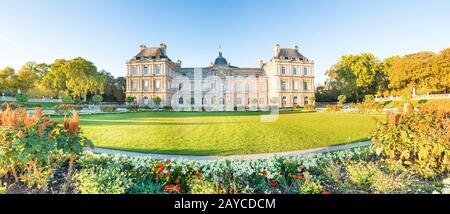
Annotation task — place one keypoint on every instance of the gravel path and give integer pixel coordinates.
(252, 156)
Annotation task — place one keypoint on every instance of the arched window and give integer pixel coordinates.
(180, 101)
(295, 100)
(283, 100)
(306, 100)
(192, 101)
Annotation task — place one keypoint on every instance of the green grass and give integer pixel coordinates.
(224, 133)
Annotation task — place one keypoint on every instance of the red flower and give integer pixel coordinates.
(177, 181)
(198, 174)
(168, 161)
(177, 188)
(166, 187)
(274, 183)
(265, 173)
(325, 193)
(300, 177)
(169, 173)
(161, 173)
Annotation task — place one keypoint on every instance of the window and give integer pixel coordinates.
(157, 69)
(305, 86)
(180, 86)
(294, 70)
(283, 85)
(305, 71)
(145, 70)
(283, 101)
(157, 85)
(134, 70)
(306, 100)
(293, 85)
(133, 85)
(180, 101)
(145, 85)
(192, 101)
(283, 70)
(295, 100)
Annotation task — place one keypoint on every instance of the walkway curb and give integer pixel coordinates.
(251, 156)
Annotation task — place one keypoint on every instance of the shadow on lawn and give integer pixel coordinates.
(134, 123)
(192, 152)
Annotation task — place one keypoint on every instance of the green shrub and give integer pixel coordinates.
(110, 180)
(167, 108)
(369, 106)
(147, 187)
(202, 186)
(361, 173)
(311, 186)
(130, 100)
(133, 107)
(108, 108)
(309, 107)
(415, 141)
(369, 98)
(342, 99)
(334, 108)
(67, 108)
(97, 99)
(67, 100)
(21, 98)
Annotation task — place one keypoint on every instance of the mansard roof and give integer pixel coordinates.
(289, 53)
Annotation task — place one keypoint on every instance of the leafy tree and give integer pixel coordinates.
(342, 98)
(97, 99)
(156, 100)
(55, 79)
(369, 98)
(9, 82)
(439, 79)
(82, 77)
(311, 99)
(130, 100)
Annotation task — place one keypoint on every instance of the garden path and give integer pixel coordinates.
(250, 156)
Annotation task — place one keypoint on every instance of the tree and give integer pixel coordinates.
(342, 99)
(130, 100)
(29, 75)
(21, 98)
(9, 83)
(156, 100)
(55, 79)
(311, 99)
(412, 71)
(97, 99)
(354, 75)
(83, 77)
(439, 79)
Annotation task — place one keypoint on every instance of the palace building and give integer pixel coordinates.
(286, 80)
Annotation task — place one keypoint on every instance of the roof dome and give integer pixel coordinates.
(220, 60)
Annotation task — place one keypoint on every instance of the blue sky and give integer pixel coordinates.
(110, 32)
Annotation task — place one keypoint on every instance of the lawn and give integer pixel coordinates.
(224, 133)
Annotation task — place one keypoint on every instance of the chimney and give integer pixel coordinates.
(261, 63)
(179, 62)
(296, 47)
(277, 49)
(163, 48)
(142, 47)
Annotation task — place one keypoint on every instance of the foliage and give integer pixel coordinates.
(67, 99)
(369, 98)
(5, 105)
(202, 186)
(309, 107)
(342, 98)
(67, 108)
(334, 108)
(369, 106)
(311, 186)
(108, 108)
(156, 100)
(30, 145)
(311, 99)
(130, 100)
(416, 141)
(21, 98)
(97, 99)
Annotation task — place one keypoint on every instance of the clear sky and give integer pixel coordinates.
(109, 32)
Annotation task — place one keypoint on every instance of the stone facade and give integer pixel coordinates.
(287, 79)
